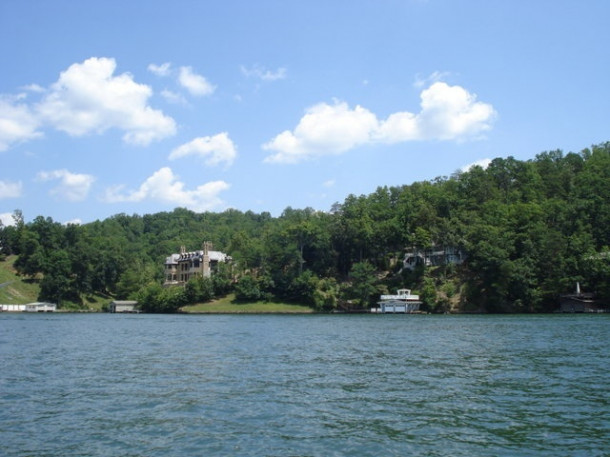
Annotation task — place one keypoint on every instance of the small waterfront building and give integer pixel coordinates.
(403, 302)
(12, 308)
(40, 307)
(124, 306)
(181, 267)
(581, 302)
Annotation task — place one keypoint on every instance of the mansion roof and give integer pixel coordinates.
(214, 256)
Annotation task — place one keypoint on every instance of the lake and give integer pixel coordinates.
(305, 385)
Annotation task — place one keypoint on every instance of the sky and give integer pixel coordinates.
(139, 107)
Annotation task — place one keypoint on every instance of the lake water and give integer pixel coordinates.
(307, 385)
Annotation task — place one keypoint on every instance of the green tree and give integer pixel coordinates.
(199, 289)
(428, 294)
(249, 288)
(326, 295)
(222, 279)
(363, 281)
(32, 257)
(56, 284)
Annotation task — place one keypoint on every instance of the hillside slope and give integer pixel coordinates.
(13, 288)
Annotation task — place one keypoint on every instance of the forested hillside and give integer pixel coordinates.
(529, 231)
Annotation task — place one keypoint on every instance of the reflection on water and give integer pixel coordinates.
(144, 385)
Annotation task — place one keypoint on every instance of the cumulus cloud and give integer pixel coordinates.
(17, 122)
(160, 70)
(215, 149)
(194, 83)
(325, 129)
(10, 189)
(263, 74)
(6, 219)
(164, 187)
(89, 98)
(447, 113)
(72, 186)
(451, 112)
(186, 78)
(483, 163)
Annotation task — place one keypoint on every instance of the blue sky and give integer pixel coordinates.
(137, 107)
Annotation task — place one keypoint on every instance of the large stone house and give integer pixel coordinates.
(179, 268)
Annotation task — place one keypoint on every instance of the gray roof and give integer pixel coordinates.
(214, 256)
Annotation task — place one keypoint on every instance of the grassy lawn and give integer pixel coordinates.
(15, 289)
(227, 305)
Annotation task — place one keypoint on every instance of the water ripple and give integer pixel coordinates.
(111, 385)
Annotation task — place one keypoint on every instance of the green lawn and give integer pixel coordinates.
(16, 290)
(227, 305)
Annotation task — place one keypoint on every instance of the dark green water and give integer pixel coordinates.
(374, 385)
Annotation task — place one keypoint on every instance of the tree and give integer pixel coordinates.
(326, 294)
(199, 289)
(363, 280)
(222, 280)
(247, 289)
(32, 256)
(56, 284)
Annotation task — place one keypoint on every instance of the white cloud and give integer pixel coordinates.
(329, 183)
(194, 83)
(483, 163)
(325, 129)
(160, 70)
(263, 74)
(447, 113)
(215, 149)
(34, 88)
(173, 97)
(17, 123)
(89, 98)
(72, 186)
(451, 112)
(7, 219)
(434, 77)
(163, 186)
(187, 79)
(10, 189)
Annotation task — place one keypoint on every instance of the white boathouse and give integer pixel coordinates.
(402, 302)
(124, 306)
(40, 307)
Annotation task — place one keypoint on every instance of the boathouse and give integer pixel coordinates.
(12, 308)
(40, 307)
(581, 302)
(124, 306)
(403, 302)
